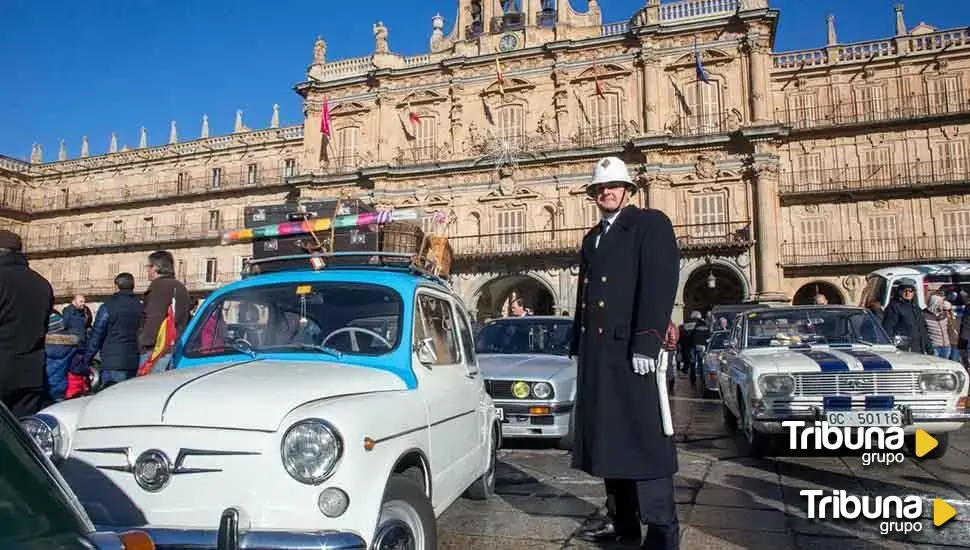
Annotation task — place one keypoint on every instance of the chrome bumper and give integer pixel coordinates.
(229, 536)
(816, 413)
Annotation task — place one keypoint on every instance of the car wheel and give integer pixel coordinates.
(566, 443)
(943, 445)
(484, 486)
(758, 444)
(407, 517)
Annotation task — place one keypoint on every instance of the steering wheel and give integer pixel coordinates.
(354, 330)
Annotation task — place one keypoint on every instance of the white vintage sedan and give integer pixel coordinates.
(835, 364)
(530, 376)
(335, 409)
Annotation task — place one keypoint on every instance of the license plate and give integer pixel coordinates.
(864, 418)
(501, 413)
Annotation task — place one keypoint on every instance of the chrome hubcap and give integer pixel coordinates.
(399, 528)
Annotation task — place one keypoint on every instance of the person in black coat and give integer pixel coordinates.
(115, 333)
(26, 302)
(903, 317)
(628, 275)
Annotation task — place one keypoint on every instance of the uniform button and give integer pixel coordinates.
(603, 279)
(582, 329)
(601, 303)
(599, 330)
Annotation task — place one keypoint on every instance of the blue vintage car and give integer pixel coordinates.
(333, 408)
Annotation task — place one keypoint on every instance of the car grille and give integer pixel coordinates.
(499, 389)
(857, 383)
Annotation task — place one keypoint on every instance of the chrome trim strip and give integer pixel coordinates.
(221, 428)
(208, 539)
(419, 428)
(177, 466)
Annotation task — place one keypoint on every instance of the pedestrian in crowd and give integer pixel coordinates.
(821, 300)
(937, 326)
(517, 308)
(77, 316)
(162, 289)
(875, 307)
(722, 323)
(904, 318)
(670, 344)
(698, 343)
(952, 331)
(66, 371)
(26, 301)
(115, 333)
(628, 275)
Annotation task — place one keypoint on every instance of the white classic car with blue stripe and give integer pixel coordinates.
(810, 363)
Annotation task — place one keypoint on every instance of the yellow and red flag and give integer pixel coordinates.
(164, 341)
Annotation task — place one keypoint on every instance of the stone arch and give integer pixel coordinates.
(805, 295)
(693, 293)
(489, 296)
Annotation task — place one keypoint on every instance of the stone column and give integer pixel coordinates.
(758, 59)
(312, 137)
(650, 67)
(767, 226)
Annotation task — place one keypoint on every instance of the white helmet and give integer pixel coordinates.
(610, 170)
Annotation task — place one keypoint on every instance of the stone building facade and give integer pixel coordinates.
(785, 174)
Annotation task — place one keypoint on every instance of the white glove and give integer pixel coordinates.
(643, 364)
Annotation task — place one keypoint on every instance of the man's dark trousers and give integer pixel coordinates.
(27, 402)
(654, 500)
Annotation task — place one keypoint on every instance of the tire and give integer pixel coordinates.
(730, 420)
(943, 445)
(758, 444)
(406, 517)
(484, 486)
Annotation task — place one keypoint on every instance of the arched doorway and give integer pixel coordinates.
(712, 285)
(806, 294)
(495, 296)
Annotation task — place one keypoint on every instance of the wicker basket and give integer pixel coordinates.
(401, 238)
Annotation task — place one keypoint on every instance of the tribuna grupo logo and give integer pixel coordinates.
(895, 514)
(882, 445)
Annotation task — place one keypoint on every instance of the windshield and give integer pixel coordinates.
(794, 326)
(524, 335)
(338, 317)
(719, 339)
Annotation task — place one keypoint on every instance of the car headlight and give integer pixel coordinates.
(542, 390)
(776, 384)
(311, 450)
(520, 390)
(938, 382)
(45, 430)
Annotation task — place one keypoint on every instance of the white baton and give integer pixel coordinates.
(668, 423)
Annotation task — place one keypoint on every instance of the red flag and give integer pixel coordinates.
(325, 118)
(414, 117)
(164, 341)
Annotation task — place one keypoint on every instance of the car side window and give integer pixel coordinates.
(434, 321)
(467, 341)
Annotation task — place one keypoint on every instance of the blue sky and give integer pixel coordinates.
(74, 68)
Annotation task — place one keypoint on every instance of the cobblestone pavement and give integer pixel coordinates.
(725, 500)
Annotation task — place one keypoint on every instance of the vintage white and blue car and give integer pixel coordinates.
(713, 355)
(338, 409)
(834, 364)
(530, 376)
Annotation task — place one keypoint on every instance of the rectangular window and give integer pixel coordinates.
(945, 95)
(346, 148)
(708, 215)
(425, 139)
(883, 236)
(510, 227)
(812, 241)
(181, 181)
(605, 126)
(956, 231)
(251, 174)
(289, 168)
(211, 271)
(951, 163)
(593, 214)
(511, 124)
(180, 270)
(877, 169)
(701, 108)
(809, 172)
(435, 327)
(84, 272)
(870, 103)
(215, 220)
(216, 177)
(114, 268)
(803, 110)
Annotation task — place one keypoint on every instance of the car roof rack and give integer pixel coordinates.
(317, 261)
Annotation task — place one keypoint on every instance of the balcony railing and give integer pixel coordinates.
(105, 286)
(695, 238)
(926, 248)
(603, 135)
(954, 39)
(81, 240)
(856, 179)
(704, 124)
(877, 110)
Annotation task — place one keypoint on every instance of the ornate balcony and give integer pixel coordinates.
(693, 240)
(859, 182)
(704, 124)
(876, 111)
(99, 288)
(900, 250)
(156, 236)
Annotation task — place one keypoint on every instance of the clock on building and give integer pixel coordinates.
(508, 42)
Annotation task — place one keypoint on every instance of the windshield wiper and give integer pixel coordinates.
(243, 346)
(329, 351)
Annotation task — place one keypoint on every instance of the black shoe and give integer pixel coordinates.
(606, 533)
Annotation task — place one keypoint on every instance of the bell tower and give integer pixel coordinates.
(489, 26)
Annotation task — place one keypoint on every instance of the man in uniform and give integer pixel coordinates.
(628, 272)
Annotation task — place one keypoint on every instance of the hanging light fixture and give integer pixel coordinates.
(711, 280)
